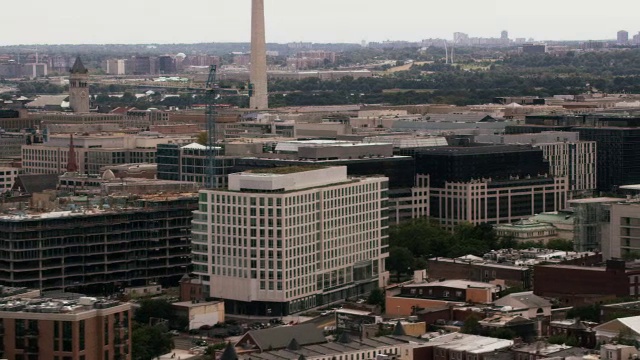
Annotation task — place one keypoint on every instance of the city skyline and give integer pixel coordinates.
(286, 21)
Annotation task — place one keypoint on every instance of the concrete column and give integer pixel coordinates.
(260, 98)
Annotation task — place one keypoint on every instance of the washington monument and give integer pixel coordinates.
(260, 97)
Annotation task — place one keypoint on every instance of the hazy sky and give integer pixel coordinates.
(189, 21)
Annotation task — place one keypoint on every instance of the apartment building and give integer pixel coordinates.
(64, 329)
(92, 152)
(97, 244)
(280, 241)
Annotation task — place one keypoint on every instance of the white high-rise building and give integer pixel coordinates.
(280, 241)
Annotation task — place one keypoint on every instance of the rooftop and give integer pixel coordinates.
(284, 170)
(84, 206)
(456, 284)
(473, 344)
(477, 150)
(192, 304)
(56, 306)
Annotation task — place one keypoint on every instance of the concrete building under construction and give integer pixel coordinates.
(96, 245)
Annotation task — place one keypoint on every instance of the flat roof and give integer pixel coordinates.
(475, 150)
(284, 170)
(603, 199)
(191, 304)
(458, 284)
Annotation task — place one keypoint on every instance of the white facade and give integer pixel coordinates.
(288, 240)
(624, 231)
(8, 176)
(485, 201)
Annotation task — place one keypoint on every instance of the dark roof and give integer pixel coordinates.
(344, 338)
(398, 330)
(293, 345)
(229, 353)
(78, 67)
(35, 183)
(280, 337)
(477, 149)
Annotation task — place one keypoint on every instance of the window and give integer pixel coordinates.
(81, 335)
(67, 339)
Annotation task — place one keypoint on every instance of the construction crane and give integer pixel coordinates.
(211, 95)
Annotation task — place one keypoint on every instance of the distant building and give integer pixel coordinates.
(116, 66)
(35, 70)
(532, 49)
(74, 329)
(145, 65)
(166, 65)
(273, 253)
(623, 37)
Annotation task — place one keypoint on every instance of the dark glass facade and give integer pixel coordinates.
(618, 155)
(463, 164)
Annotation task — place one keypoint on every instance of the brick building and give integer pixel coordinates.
(586, 285)
(444, 268)
(83, 329)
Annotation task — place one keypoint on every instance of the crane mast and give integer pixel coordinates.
(211, 93)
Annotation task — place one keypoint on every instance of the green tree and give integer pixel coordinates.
(149, 342)
(400, 261)
(561, 339)
(560, 244)
(587, 313)
(377, 297)
(153, 308)
(471, 325)
(203, 138)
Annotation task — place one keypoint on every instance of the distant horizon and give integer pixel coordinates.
(72, 22)
(282, 43)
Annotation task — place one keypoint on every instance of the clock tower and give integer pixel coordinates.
(79, 87)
